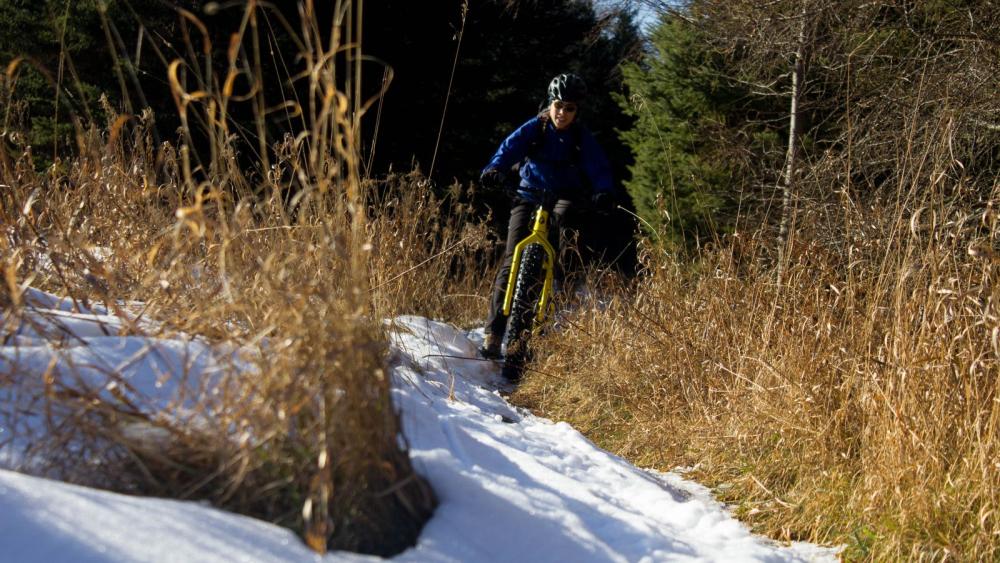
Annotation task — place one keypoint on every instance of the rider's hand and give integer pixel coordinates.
(603, 201)
(493, 179)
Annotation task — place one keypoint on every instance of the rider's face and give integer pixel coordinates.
(562, 113)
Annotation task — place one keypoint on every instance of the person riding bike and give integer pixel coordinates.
(558, 158)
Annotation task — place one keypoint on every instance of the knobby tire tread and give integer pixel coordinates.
(527, 292)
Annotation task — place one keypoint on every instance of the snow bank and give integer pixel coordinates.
(62, 347)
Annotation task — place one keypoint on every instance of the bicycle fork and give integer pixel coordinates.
(539, 235)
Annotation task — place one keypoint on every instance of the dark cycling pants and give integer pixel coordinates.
(522, 216)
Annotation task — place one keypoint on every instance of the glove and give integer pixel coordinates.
(493, 179)
(603, 201)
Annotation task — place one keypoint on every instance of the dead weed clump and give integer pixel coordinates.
(271, 273)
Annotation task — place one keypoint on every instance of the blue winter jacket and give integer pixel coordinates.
(554, 165)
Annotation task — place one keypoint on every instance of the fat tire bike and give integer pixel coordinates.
(528, 299)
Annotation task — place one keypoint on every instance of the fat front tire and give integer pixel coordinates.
(523, 309)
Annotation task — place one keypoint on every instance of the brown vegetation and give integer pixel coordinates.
(843, 387)
(845, 392)
(295, 270)
(846, 395)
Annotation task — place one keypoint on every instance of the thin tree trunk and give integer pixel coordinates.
(794, 124)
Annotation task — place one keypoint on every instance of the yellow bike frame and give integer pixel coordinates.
(539, 235)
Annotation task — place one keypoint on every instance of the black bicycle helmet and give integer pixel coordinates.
(567, 88)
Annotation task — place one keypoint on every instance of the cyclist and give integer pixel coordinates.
(557, 157)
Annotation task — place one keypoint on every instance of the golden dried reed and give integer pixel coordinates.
(299, 429)
(855, 402)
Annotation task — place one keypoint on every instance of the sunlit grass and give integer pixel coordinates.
(854, 402)
(294, 262)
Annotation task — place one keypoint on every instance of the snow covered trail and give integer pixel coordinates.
(512, 487)
(515, 487)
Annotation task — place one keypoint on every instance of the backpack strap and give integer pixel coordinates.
(536, 141)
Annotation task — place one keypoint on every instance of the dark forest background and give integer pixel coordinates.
(496, 56)
(506, 56)
(694, 109)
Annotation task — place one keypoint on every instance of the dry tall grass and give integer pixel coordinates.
(290, 269)
(856, 402)
(431, 256)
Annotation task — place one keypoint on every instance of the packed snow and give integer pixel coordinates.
(511, 486)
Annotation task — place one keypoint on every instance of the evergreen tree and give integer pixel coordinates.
(682, 180)
(37, 32)
(72, 53)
